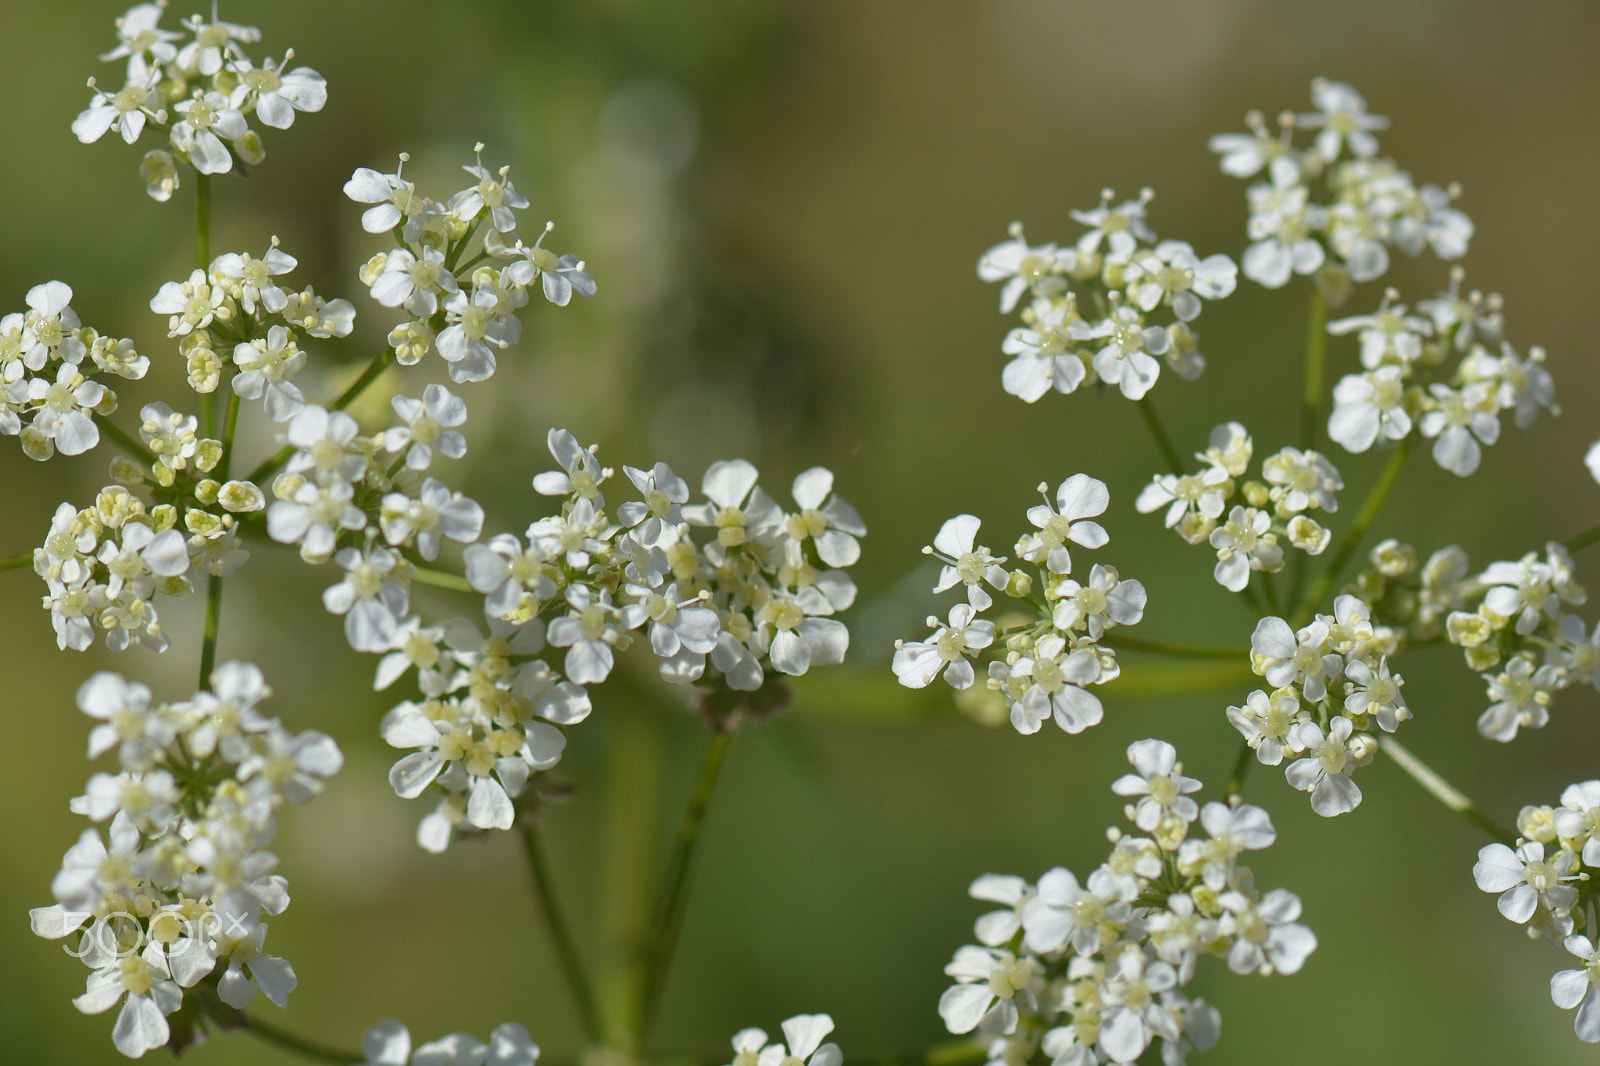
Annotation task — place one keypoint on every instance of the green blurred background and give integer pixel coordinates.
(782, 204)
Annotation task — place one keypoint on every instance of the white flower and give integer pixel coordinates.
(562, 275)
(1456, 417)
(1525, 878)
(998, 927)
(267, 366)
(475, 329)
(205, 121)
(498, 197)
(277, 96)
(413, 282)
(1173, 274)
(1580, 988)
(916, 664)
(1078, 498)
(429, 424)
(152, 994)
(1104, 602)
(972, 566)
(325, 446)
(1127, 360)
(1281, 225)
(1133, 1014)
(1022, 267)
(1052, 682)
(1267, 724)
(794, 639)
(252, 277)
(395, 201)
(126, 109)
(1388, 335)
(1341, 117)
(1375, 692)
(1243, 544)
(1043, 356)
(1301, 480)
(1290, 658)
(65, 416)
(1369, 405)
(831, 523)
(1266, 937)
(1522, 696)
(989, 982)
(1232, 830)
(1245, 154)
(654, 518)
(588, 632)
(1578, 819)
(312, 516)
(434, 513)
(372, 597)
(1159, 779)
(1325, 771)
(1120, 227)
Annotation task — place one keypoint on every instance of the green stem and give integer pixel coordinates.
(1241, 766)
(1582, 540)
(1352, 538)
(1444, 791)
(311, 1049)
(208, 645)
(1169, 454)
(230, 426)
(556, 923)
(1182, 651)
(1271, 592)
(1316, 370)
(950, 1053)
(674, 895)
(202, 221)
(16, 562)
(132, 444)
(422, 575)
(275, 461)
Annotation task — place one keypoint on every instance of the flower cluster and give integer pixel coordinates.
(1091, 972)
(201, 86)
(804, 1034)
(234, 319)
(389, 1044)
(563, 600)
(1247, 534)
(1366, 205)
(1090, 313)
(1051, 658)
(1331, 686)
(1547, 884)
(1403, 385)
(104, 564)
(1510, 621)
(184, 885)
(462, 306)
(48, 395)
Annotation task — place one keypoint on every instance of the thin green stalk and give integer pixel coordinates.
(1270, 591)
(1241, 766)
(950, 1053)
(311, 1049)
(208, 645)
(1444, 791)
(202, 221)
(1182, 651)
(544, 891)
(674, 895)
(440, 579)
(275, 461)
(1358, 529)
(1169, 454)
(121, 436)
(1316, 370)
(1582, 540)
(16, 562)
(230, 426)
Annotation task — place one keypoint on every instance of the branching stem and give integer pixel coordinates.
(544, 891)
(311, 1049)
(674, 893)
(1444, 791)
(1352, 538)
(1316, 370)
(1182, 651)
(1169, 454)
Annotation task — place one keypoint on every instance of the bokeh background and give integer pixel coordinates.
(782, 204)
